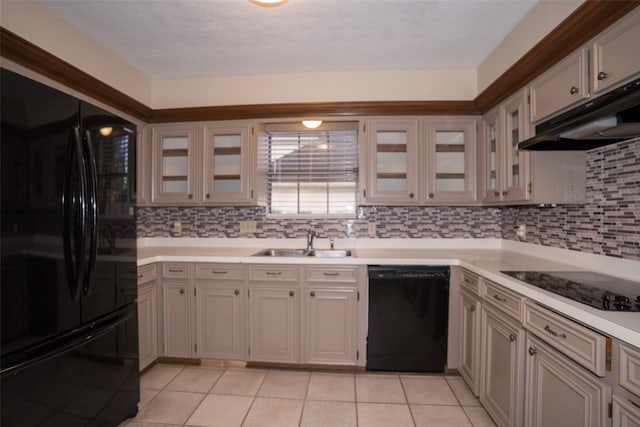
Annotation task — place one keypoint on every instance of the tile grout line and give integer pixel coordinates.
(406, 397)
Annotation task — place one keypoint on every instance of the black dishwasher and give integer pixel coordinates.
(408, 313)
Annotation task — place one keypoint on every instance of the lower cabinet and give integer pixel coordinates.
(501, 390)
(177, 320)
(561, 393)
(147, 324)
(274, 320)
(470, 333)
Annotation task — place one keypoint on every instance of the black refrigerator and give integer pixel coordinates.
(69, 349)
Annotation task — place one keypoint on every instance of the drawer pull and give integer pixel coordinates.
(140, 276)
(602, 75)
(274, 273)
(236, 292)
(532, 351)
(218, 272)
(313, 294)
(176, 270)
(182, 291)
(634, 404)
(573, 90)
(499, 298)
(291, 293)
(512, 337)
(331, 274)
(554, 333)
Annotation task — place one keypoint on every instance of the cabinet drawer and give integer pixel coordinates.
(273, 273)
(175, 270)
(508, 301)
(331, 274)
(471, 282)
(578, 342)
(220, 271)
(630, 368)
(147, 273)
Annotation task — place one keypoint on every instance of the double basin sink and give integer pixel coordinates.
(327, 253)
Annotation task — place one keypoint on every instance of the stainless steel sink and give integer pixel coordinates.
(282, 252)
(330, 253)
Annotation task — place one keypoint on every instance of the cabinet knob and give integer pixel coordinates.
(602, 75)
(411, 195)
(208, 196)
(532, 351)
(512, 337)
(291, 293)
(236, 292)
(574, 90)
(182, 291)
(473, 308)
(430, 195)
(313, 294)
(191, 196)
(504, 193)
(496, 193)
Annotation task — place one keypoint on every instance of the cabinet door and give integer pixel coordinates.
(226, 171)
(331, 326)
(147, 325)
(514, 161)
(176, 320)
(392, 177)
(493, 179)
(557, 387)
(174, 166)
(449, 175)
(470, 333)
(274, 334)
(219, 319)
(501, 389)
(615, 54)
(625, 414)
(561, 87)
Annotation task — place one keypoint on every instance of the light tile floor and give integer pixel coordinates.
(176, 395)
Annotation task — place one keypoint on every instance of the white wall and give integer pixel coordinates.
(544, 17)
(36, 24)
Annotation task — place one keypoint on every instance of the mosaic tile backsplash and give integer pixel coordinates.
(608, 224)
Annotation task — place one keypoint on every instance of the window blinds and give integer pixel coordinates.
(311, 172)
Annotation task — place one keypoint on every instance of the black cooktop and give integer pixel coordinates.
(597, 290)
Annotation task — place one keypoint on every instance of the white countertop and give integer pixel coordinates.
(486, 257)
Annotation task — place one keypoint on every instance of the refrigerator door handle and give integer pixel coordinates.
(71, 341)
(74, 215)
(92, 213)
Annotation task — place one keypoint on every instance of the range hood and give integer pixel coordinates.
(610, 118)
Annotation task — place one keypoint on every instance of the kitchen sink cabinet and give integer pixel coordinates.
(177, 313)
(147, 315)
(331, 298)
(470, 331)
(502, 383)
(615, 60)
(220, 296)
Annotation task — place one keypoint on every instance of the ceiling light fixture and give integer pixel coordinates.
(106, 131)
(311, 124)
(269, 3)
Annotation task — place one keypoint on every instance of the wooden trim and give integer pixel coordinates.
(587, 21)
(315, 109)
(592, 17)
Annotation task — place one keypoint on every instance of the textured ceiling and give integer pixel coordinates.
(190, 38)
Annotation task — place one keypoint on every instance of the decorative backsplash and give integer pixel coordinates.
(608, 224)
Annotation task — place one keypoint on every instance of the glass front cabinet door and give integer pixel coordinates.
(449, 175)
(515, 161)
(226, 158)
(491, 156)
(392, 152)
(174, 152)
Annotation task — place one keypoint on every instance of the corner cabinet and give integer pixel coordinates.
(391, 148)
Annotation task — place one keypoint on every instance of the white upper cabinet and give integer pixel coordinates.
(392, 162)
(563, 86)
(492, 130)
(615, 58)
(515, 162)
(226, 165)
(174, 164)
(449, 155)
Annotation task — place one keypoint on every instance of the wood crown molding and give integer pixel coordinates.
(587, 21)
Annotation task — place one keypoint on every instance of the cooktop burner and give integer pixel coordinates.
(597, 290)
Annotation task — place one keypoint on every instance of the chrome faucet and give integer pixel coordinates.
(310, 235)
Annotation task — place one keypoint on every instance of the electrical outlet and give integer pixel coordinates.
(372, 229)
(247, 226)
(177, 227)
(521, 232)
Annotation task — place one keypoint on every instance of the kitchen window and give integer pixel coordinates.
(311, 172)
